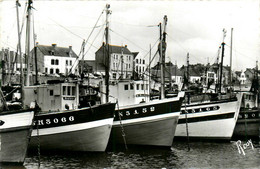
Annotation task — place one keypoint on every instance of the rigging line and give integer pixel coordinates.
(84, 54)
(63, 27)
(128, 40)
(84, 43)
(94, 27)
(116, 22)
(151, 48)
(200, 59)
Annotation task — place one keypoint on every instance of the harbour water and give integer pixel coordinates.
(201, 155)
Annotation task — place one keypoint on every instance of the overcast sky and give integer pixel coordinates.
(193, 26)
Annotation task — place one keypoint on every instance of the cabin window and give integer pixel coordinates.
(126, 87)
(52, 62)
(64, 90)
(137, 86)
(114, 75)
(69, 89)
(51, 71)
(51, 92)
(73, 90)
(131, 86)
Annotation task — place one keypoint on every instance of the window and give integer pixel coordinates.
(142, 86)
(73, 90)
(137, 86)
(129, 57)
(52, 62)
(136, 60)
(129, 66)
(143, 69)
(136, 68)
(131, 86)
(51, 71)
(51, 92)
(46, 70)
(143, 61)
(57, 62)
(64, 90)
(126, 87)
(69, 88)
(70, 62)
(114, 75)
(57, 71)
(67, 62)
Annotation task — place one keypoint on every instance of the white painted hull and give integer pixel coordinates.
(15, 131)
(156, 131)
(89, 136)
(214, 124)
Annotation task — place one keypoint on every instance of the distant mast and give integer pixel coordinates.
(162, 53)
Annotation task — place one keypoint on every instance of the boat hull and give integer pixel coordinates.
(212, 120)
(153, 123)
(248, 125)
(86, 129)
(15, 131)
(154, 132)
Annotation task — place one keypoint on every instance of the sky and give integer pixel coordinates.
(194, 27)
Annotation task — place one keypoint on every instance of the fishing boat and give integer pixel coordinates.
(209, 119)
(15, 125)
(209, 115)
(61, 125)
(147, 123)
(142, 122)
(248, 123)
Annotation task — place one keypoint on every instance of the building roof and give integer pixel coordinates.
(58, 51)
(116, 49)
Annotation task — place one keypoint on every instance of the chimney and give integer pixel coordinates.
(70, 48)
(125, 46)
(54, 45)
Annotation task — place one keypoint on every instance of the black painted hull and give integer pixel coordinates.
(248, 125)
(85, 129)
(151, 123)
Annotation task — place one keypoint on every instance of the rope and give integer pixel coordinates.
(121, 125)
(187, 130)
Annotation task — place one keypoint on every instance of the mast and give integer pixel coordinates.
(27, 49)
(231, 43)
(222, 57)
(122, 63)
(162, 53)
(20, 52)
(149, 72)
(107, 52)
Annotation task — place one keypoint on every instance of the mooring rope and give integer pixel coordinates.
(121, 125)
(187, 130)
